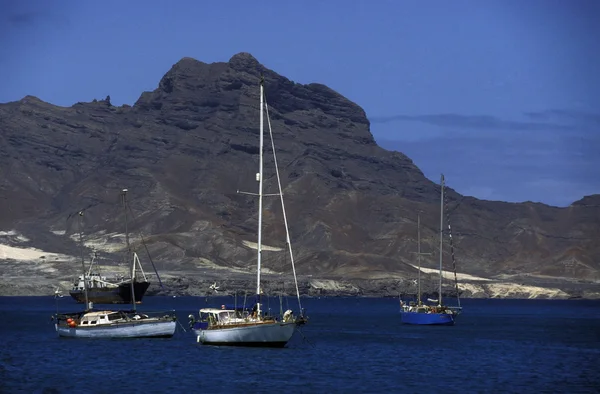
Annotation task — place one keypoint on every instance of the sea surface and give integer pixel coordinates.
(350, 345)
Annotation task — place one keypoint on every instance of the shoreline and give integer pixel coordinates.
(182, 286)
(306, 296)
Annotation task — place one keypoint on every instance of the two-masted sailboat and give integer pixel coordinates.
(251, 326)
(102, 289)
(435, 313)
(91, 323)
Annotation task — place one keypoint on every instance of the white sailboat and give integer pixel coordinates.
(245, 326)
(90, 323)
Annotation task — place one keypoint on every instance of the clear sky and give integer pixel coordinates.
(502, 96)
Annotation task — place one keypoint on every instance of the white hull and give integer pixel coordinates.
(248, 326)
(121, 330)
(265, 334)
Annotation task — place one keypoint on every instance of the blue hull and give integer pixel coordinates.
(417, 318)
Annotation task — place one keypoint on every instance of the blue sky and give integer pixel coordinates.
(501, 96)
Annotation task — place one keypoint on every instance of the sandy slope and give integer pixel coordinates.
(32, 271)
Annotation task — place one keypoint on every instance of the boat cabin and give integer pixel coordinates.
(97, 281)
(94, 281)
(415, 307)
(423, 308)
(100, 318)
(223, 316)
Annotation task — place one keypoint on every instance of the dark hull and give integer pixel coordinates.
(115, 295)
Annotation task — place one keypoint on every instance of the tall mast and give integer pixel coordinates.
(419, 254)
(441, 236)
(124, 197)
(259, 177)
(85, 290)
(419, 258)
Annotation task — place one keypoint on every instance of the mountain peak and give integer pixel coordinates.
(243, 57)
(186, 68)
(30, 98)
(591, 200)
(186, 64)
(244, 61)
(192, 87)
(187, 60)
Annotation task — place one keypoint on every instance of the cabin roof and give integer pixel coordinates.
(98, 313)
(215, 310)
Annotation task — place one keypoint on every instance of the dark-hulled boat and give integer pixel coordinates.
(104, 291)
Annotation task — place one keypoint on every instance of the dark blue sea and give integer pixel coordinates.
(352, 345)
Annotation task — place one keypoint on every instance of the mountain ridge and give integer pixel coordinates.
(185, 148)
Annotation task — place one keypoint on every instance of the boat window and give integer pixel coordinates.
(204, 316)
(241, 314)
(114, 316)
(93, 322)
(224, 316)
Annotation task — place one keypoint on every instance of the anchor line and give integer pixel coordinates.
(181, 325)
(305, 338)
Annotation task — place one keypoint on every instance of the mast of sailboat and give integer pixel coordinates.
(85, 290)
(92, 263)
(441, 236)
(259, 178)
(419, 254)
(124, 196)
(419, 259)
(285, 221)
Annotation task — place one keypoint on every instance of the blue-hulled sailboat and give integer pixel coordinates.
(436, 313)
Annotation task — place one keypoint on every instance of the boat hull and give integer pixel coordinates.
(156, 329)
(112, 295)
(274, 334)
(418, 318)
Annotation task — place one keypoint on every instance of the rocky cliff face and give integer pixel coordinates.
(185, 149)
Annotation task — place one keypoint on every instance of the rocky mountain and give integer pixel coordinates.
(186, 148)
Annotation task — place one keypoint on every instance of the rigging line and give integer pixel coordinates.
(462, 198)
(75, 213)
(287, 233)
(452, 248)
(305, 338)
(181, 325)
(147, 251)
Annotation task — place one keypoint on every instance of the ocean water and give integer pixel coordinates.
(350, 345)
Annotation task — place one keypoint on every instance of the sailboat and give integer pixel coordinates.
(91, 323)
(116, 290)
(234, 326)
(436, 313)
(105, 290)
